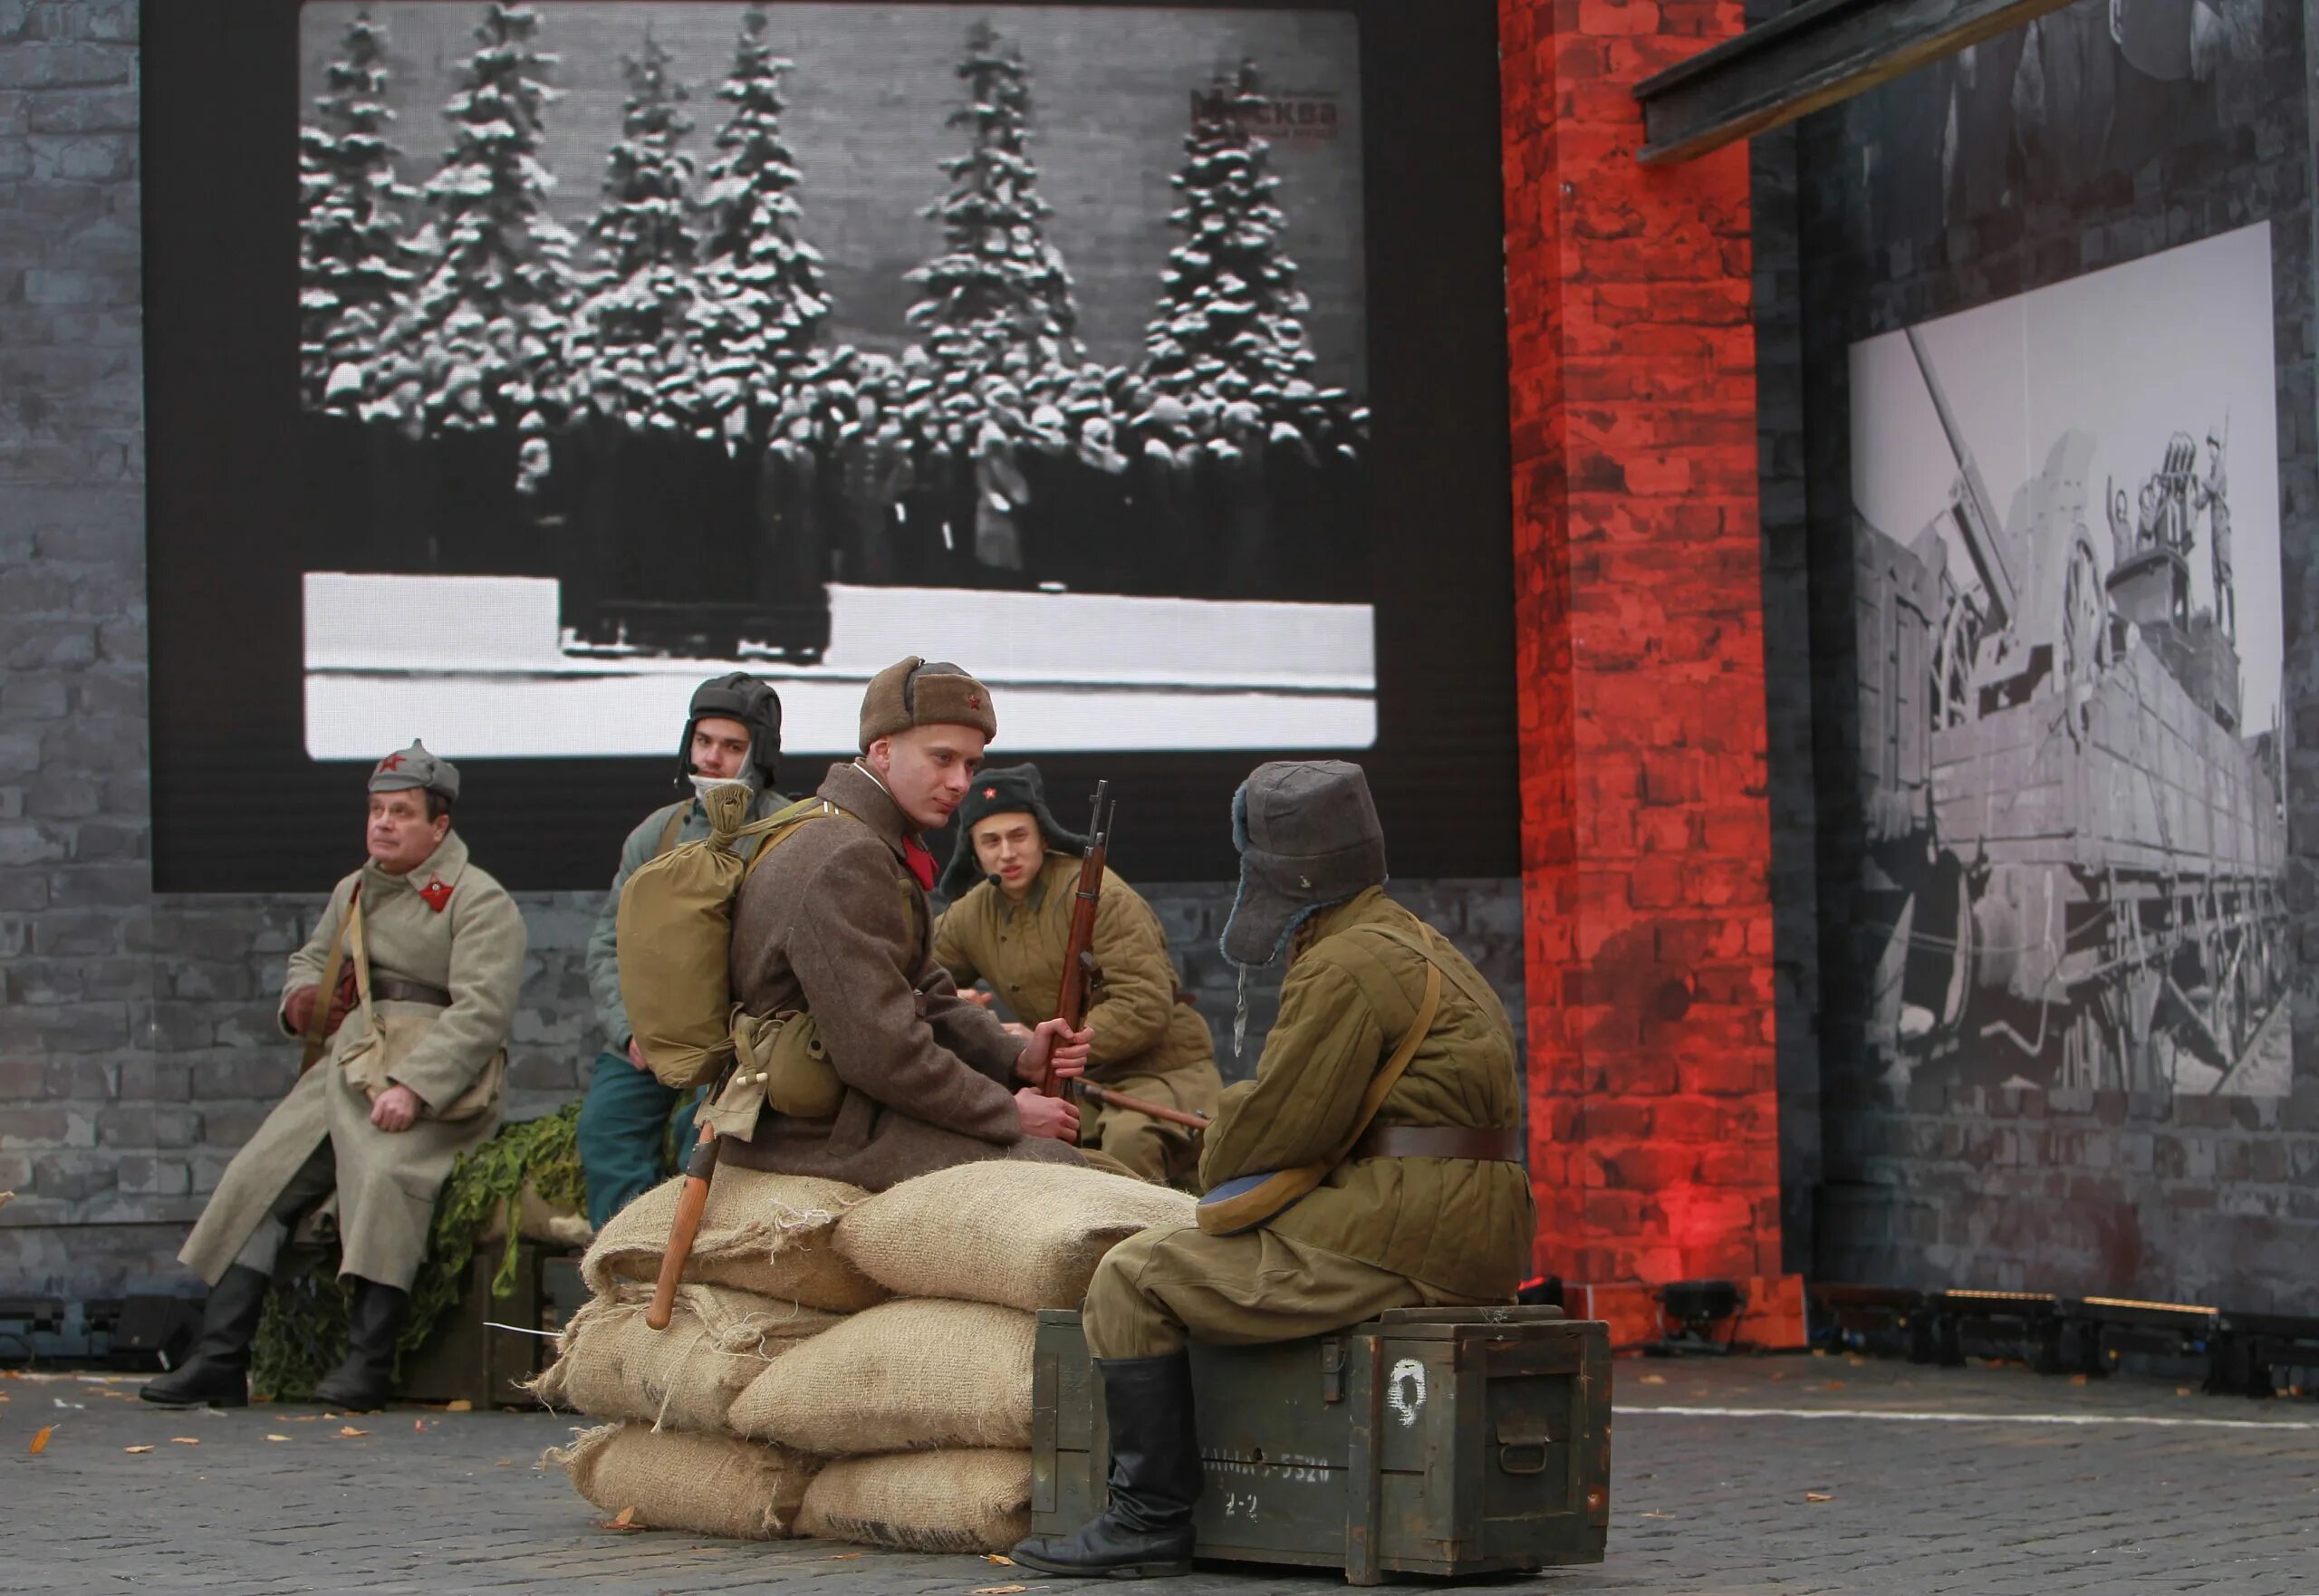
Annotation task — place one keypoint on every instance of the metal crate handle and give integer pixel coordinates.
(1528, 1445)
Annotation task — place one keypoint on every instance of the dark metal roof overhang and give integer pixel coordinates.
(1815, 55)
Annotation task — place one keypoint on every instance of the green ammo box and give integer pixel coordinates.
(468, 1360)
(1440, 1441)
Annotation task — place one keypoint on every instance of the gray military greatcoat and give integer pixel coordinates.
(447, 925)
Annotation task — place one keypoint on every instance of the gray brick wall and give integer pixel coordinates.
(137, 1048)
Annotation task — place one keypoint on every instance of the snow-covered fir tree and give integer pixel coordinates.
(354, 261)
(997, 283)
(1228, 303)
(633, 331)
(502, 286)
(763, 297)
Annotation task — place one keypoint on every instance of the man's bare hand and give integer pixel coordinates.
(1015, 1028)
(1053, 1042)
(636, 1055)
(977, 996)
(1055, 1118)
(298, 1008)
(396, 1109)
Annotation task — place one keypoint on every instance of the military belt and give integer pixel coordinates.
(390, 989)
(1440, 1141)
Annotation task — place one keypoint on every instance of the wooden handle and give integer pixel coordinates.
(692, 1200)
(1135, 1105)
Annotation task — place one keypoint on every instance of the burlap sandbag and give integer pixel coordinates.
(1021, 1234)
(612, 1365)
(770, 1234)
(709, 1485)
(899, 1378)
(955, 1501)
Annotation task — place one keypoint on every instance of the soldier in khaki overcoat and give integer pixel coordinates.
(1013, 878)
(1428, 1205)
(832, 923)
(408, 1081)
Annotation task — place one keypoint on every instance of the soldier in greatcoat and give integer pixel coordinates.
(732, 734)
(419, 995)
(1431, 1206)
(1012, 880)
(834, 922)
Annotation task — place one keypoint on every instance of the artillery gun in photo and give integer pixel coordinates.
(2075, 852)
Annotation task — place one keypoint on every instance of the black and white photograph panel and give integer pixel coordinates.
(2066, 543)
(642, 341)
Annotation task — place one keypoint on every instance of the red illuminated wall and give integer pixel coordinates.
(1646, 841)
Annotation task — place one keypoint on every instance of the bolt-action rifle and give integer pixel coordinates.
(1082, 974)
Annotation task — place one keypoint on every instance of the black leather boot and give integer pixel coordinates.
(367, 1377)
(216, 1372)
(1147, 1530)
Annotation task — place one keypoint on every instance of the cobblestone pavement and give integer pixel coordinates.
(1983, 1482)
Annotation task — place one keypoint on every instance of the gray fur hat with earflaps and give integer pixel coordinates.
(1308, 838)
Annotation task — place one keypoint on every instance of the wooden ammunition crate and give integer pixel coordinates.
(466, 1359)
(1434, 1441)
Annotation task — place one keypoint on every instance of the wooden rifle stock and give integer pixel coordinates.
(1078, 948)
(1104, 1097)
(692, 1201)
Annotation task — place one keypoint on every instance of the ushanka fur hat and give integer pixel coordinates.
(1308, 838)
(912, 692)
(1005, 789)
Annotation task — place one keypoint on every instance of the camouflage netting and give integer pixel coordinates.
(303, 1333)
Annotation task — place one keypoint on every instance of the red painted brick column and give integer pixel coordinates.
(1646, 839)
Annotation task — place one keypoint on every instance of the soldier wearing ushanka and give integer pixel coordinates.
(832, 925)
(1388, 1084)
(1011, 877)
(414, 968)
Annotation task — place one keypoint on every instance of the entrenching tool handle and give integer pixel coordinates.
(691, 1202)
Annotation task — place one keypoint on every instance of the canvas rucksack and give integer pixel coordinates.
(675, 934)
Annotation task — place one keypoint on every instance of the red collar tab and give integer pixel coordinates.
(920, 863)
(438, 892)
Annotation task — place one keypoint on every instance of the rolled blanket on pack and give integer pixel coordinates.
(903, 1376)
(947, 1500)
(771, 1234)
(1018, 1235)
(708, 1484)
(719, 1342)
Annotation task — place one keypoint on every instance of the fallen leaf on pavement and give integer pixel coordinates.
(1819, 1496)
(626, 1515)
(1832, 1385)
(137, 1448)
(505, 1462)
(186, 1440)
(461, 1406)
(277, 1438)
(840, 1557)
(61, 1402)
(1654, 1514)
(39, 1441)
(419, 1423)
(995, 1557)
(998, 1591)
(2077, 1380)
(2181, 1391)
(1654, 1380)
(347, 1429)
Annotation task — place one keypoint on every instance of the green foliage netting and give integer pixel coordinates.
(303, 1333)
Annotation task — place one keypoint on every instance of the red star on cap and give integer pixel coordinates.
(391, 761)
(974, 700)
(990, 791)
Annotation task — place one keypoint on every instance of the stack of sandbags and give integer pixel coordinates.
(839, 1365)
(923, 1403)
(765, 1276)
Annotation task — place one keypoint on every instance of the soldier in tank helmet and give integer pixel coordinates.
(1012, 880)
(1428, 1204)
(404, 992)
(732, 734)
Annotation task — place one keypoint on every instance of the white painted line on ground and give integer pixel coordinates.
(2147, 1421)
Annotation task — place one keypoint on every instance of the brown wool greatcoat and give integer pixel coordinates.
(832, 924)
(473, 948)
(1146, 1042)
